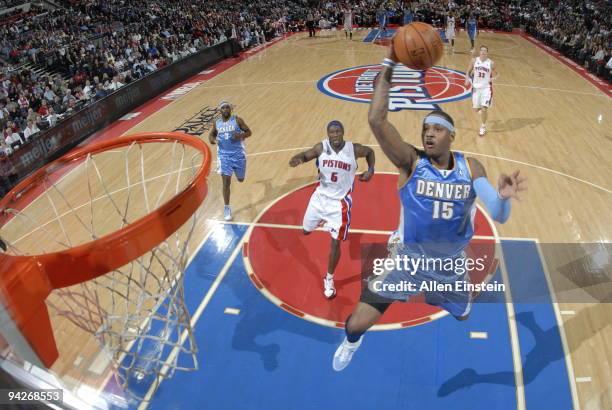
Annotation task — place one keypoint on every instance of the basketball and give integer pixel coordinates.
(418, 46)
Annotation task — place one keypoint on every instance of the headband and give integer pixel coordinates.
(436, 119)
(335, 123)
(224, 103)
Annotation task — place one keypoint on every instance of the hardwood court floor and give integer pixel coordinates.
(546, 121)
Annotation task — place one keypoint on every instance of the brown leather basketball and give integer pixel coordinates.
(418, 45)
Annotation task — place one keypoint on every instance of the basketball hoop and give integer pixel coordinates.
(111, 263)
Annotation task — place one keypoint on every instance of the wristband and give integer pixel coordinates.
(389, 63)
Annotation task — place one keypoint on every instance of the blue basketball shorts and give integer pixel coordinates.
(472, 35)
(232, 164)
(438, 280)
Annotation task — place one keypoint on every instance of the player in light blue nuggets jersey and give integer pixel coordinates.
(471, 26)
(229, 133)
(381, 17)
(408, 16)
(437, 190)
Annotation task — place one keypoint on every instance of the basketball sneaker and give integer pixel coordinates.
(328, 285)
(227, 213)
(344, 354)
(3, 246)
(482, 131)
(394, 242)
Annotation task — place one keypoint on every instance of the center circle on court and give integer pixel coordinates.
(288, 267)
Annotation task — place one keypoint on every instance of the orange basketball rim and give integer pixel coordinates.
(26, 281)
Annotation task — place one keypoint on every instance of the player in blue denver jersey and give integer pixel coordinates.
(408, 16)
(381, 17)
(229, 133)
(471, 26)
(437, 190)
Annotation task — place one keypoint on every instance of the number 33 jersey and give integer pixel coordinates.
(437, 208)
(482, 73)
(336, 171)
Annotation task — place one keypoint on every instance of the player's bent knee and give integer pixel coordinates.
(462, 318)
(240, 179)
(363, 318)
(358, 325)
(355, 326)
(305, 232)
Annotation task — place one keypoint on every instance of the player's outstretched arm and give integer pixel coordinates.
(498, 203)
(306, 156)
(212, 136)
(246, 131)
(361, 151)
(401, 154)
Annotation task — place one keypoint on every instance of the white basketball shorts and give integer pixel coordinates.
(482, 97)
(333, 214)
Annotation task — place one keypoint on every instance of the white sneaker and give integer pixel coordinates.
(227, 213)
(394, 243)
(482, 131)
(344, 354)
(328, 285)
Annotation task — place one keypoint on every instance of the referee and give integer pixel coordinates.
(310, 24)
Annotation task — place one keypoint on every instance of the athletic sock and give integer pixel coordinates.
(351, 337)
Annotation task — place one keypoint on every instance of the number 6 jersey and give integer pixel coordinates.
(336, 170)
(437, 208)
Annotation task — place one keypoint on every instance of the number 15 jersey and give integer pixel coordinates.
(437, 208)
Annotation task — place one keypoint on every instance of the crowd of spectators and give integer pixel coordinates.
(7, 4)
(581, 30)
(97, 46)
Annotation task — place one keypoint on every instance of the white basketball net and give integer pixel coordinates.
(136, 312)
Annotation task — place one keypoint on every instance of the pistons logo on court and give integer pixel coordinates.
(411, 89)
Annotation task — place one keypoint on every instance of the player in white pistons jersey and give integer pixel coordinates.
(330, 204)
(483, 71)
(450, 31)
(348, 22)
